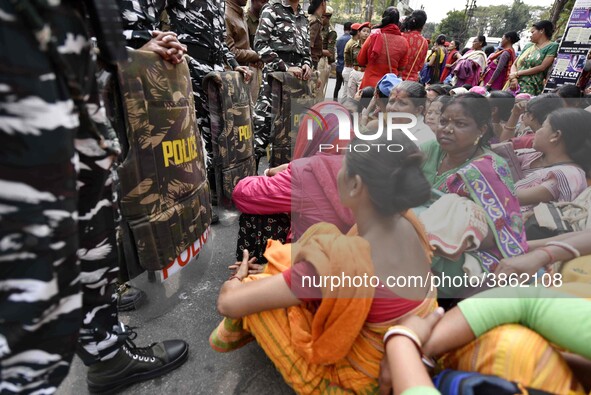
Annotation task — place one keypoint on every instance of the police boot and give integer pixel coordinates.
(133, 364)
(129, 297)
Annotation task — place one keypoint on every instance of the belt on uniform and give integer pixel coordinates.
(358, 68)
(204, 54)
(290, 57)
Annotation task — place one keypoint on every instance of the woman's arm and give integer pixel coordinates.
(580, 240)
(264, 195)
(546, 63)
(534, 195)
(560, 319)
(239, 299)
(536, 259)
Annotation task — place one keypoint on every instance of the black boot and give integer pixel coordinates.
(129, 297)
(133, 364)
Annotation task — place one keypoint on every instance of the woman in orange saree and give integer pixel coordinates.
(320, 336)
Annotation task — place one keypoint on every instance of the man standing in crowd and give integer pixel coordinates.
(329, 36)
(316, 11)
(57, 228)
(200, 26)
(341, 42)
(252, 18)
(237, 34)
(283, 41)
(329, 39)
(237, 39)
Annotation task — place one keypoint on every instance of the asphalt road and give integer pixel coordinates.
(184, 307)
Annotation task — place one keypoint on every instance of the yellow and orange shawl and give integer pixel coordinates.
(331, 349)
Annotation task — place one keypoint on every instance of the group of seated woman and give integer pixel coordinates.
(366, 212)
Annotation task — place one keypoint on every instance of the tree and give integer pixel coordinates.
(452, 25)
(488, 21)
(517, 17)
(429, 30)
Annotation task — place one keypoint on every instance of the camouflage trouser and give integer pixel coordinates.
(40, 299)
(198, 71)
(98, 256)
(262, 116)
(40, 276)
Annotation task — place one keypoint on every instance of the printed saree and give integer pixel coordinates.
(486, 180)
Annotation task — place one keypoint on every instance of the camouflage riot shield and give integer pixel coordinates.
(231, 131)
(290, 98)
(164, 193)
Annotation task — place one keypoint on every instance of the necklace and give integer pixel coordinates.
(439, 172)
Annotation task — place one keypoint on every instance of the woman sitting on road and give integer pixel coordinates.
(325, 339)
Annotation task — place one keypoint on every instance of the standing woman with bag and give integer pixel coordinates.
(453, 55)
(417, 44)
(499, 63)
(385, 51)
(436, 60)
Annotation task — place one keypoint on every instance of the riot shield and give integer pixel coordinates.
(231, 131)
(288, 94)
(164, 193)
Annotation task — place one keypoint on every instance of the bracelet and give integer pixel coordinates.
(234, 277)
(403, 331)
(565, 246)
(509, 127)
(428, 361)
(547, 251)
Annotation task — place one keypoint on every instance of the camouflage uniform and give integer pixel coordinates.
(43, 141)
(283, 41)
(200, 25)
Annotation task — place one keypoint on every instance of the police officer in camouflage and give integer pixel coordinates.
(56, 229)
(283, 42)
(200, 26)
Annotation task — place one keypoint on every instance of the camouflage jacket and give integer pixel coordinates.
(281, 31)
(197, 22)
(329, 40)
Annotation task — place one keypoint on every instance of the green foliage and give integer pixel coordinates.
(563, 18)
(452, 25)
(429, 30)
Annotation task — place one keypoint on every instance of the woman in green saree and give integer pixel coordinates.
(530, 69)
(459, 162)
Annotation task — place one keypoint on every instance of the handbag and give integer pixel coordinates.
(454, 382)
(555, 218)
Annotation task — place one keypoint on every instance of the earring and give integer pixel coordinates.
(351, 194)
(553, 140)
(477, 140)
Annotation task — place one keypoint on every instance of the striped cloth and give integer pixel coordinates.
(565, 182)
(518, 354)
